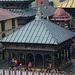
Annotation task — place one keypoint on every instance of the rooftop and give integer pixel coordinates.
(61, 15)
(4, 15)
(39, 31)
(14, 0)
(66, 4)
(47, 10)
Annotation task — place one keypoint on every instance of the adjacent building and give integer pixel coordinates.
(45, 2)
(23, 8)
(8, 23)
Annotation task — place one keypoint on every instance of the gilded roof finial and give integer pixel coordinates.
(38, 14)
(38, 8)
(59, 14)
(47, 18)
(59, 9)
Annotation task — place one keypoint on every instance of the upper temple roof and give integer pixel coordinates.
(40, 31)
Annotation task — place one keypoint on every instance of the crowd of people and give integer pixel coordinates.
(19, 66)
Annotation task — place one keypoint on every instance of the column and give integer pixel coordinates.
(52, 57)
(8, 56)
(60, 57)
(69, 53)
(34, 60)
(11, 55)
(66, 54)
(43, 61)
(25, 60)
(1, 55)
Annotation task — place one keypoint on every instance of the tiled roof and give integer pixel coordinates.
(15, 0)
(47, 10)
(40, 32)
(66, 4)
(4, 15)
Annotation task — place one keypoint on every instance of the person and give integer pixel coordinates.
(13, 60)
(29, 64)
(20, 65)
(69, 72)
(25, 68)
(41, 70)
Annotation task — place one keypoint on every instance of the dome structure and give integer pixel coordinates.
(61, 15)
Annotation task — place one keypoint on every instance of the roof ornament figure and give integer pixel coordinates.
(47, 18)
(38, 14)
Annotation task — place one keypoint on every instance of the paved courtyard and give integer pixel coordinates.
(3, 64)
(72, 66)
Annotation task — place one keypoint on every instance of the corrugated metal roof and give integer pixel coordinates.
(47, 10)
(4, 15)
(41, 32)
(24, 12)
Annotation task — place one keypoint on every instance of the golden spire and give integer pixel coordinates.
(66, 26)
(59, 9)
(38, 14)
(59, 14)
(38, 8)
(47, 18)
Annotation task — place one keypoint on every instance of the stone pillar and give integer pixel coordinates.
(52, 58)
(43, 61)
(34, 60)
(1, 55)
(8, 57)
(11, 55)
(60, 57)
(69, 53)
(66, 54)
(25, 59)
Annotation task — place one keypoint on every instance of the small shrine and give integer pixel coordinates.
(62, 18)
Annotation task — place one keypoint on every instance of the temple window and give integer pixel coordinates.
(3, 35)
(41, 2)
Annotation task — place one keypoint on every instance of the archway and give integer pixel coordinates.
(38, 60)
(30, 59)
(47, 60)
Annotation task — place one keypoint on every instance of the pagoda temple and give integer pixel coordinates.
(40, 42)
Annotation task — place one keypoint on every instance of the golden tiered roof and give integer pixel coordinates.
(66, 4)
